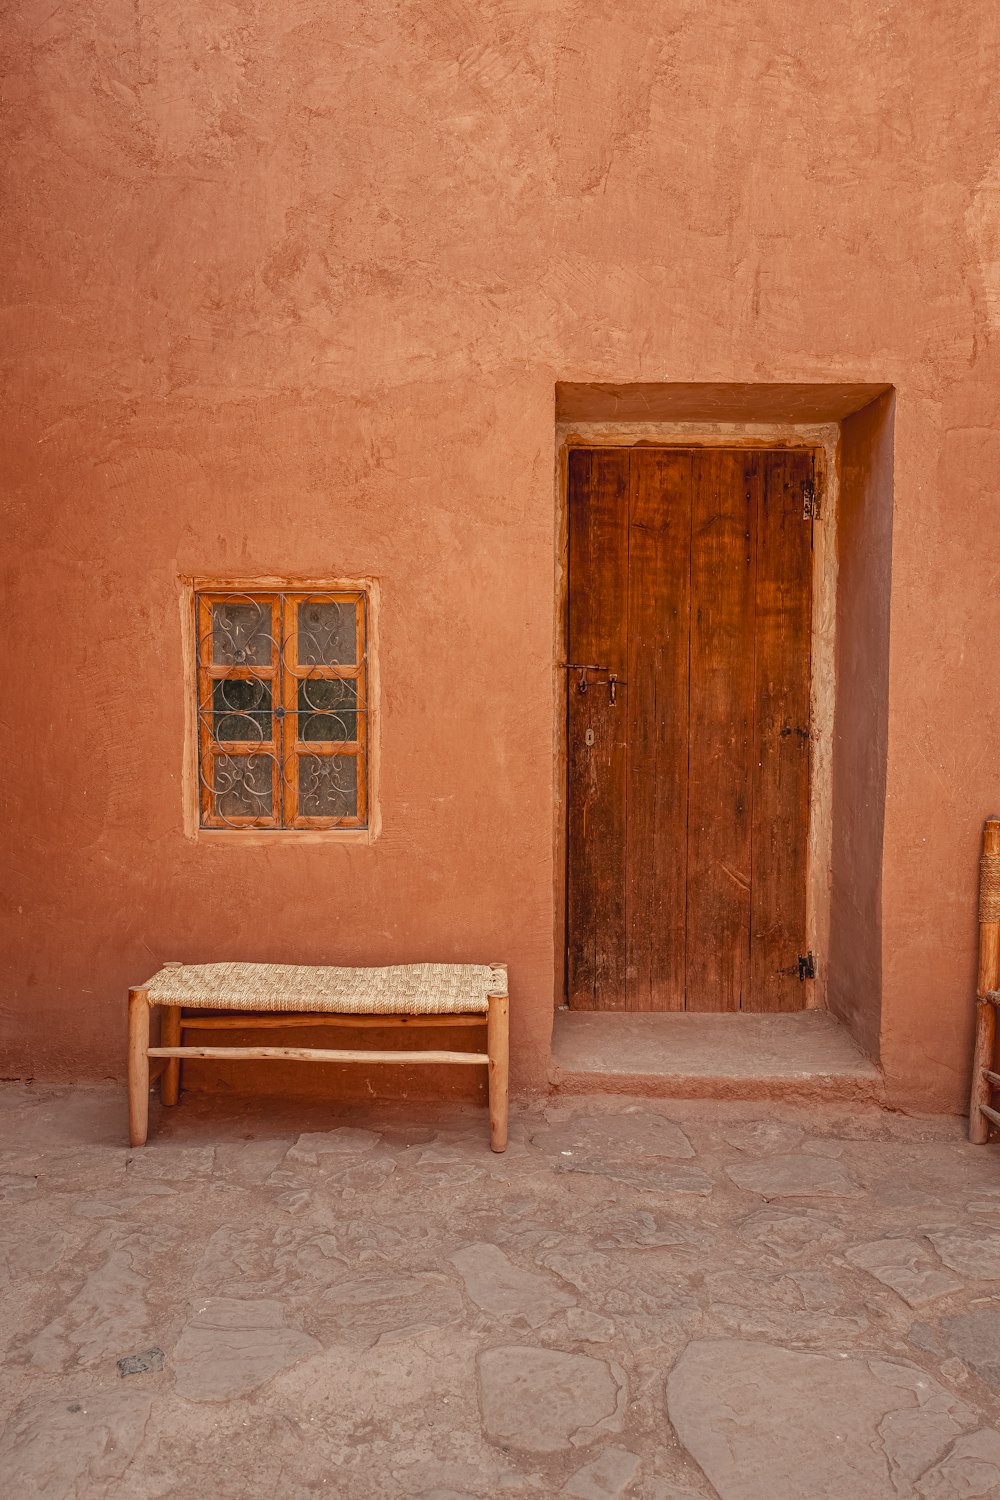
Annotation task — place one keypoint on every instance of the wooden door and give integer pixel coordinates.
(688, 747)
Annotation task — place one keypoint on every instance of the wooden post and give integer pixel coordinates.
(138, 1067)
(498, 1050)
(170, 1036)
(988, 979)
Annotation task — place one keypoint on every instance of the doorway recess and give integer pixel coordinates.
(707, 612)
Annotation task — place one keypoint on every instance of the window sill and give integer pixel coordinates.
(267, 837)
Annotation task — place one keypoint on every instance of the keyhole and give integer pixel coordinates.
(588, 738)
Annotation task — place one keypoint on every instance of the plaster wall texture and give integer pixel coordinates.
(288, 290)
(860, 758)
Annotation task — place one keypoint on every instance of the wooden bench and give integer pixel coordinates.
(985, 1078)
(285, 995)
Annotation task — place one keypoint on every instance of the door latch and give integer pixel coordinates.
(611, 678)
(805, 968)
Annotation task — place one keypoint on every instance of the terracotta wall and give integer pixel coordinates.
(864, 579)
(288, 289)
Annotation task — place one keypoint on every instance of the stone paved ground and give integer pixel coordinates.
(656, 1301)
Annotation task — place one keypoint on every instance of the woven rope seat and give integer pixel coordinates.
(400, 990)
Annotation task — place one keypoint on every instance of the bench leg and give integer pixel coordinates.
(498, 1049)
(170, 1082)
(138, 1067)
(982, 1058)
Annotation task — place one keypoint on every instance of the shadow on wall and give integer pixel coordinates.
(861, 733)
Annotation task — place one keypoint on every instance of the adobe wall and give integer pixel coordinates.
(289, 290)
(860, 738)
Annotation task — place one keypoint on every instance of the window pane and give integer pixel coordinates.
(328, 786)
(242, 786)
(241, 710)
(241, 634)
(328, 709)
(327, 633)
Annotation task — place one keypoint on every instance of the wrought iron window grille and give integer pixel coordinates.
(282, 709)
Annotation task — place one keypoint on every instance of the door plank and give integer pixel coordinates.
(781, 736)
(725, 502)
(597, 634)
(658, 633)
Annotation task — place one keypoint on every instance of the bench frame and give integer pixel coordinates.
(174, 1022)
(985, 1078)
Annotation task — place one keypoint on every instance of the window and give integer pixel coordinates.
(283, 709)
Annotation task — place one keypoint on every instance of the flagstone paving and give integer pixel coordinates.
(655, 1301)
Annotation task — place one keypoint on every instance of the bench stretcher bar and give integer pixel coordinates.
(320, 1054)
(241, 1022)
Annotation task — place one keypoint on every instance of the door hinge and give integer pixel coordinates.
(810, 500)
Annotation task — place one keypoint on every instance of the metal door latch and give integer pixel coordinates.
(805, 968)
(611, 678)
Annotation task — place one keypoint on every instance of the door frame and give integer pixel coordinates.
(822, 441)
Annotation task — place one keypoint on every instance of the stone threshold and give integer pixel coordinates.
(807, 1056)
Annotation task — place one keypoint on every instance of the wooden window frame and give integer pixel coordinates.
(285, 749)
